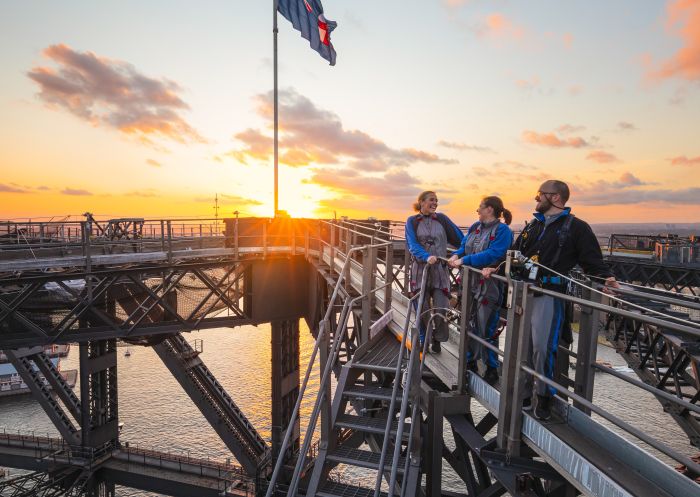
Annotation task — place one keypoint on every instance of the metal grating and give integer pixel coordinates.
(370, 425)
(331, 489)
(371, 392)
(364, 458)
(382, 356)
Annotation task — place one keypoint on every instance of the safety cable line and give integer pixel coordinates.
(617, 299)
(695, 298)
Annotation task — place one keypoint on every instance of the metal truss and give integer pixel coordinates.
(676, 278)
(219, 409)
(666, 361)
(124, 302)
(62, 483)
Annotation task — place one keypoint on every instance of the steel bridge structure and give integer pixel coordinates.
(150, 282)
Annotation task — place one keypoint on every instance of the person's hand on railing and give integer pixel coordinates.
(610, 284)
(454, 261)
(488, 271)
(432, 259)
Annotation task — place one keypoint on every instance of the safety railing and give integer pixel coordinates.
(55, 449)
(324, 243)
(413, 371)
(579, 389)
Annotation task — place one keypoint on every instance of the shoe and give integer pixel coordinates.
(527, 404)
(436, 347)
(543, 412)
(491, 375)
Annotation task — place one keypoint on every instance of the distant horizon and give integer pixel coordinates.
(78, 217)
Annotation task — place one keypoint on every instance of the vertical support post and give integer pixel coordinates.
(235, 237)
(587, 349)
(162, 236)
(434, 441)
(327, 441)
(509, 406)
(264, 238)
(170, 241)
(88, 258)
(285, 384)
(406, 270)
(369, 266)
(465, 312)
(333, 242)
(389, 276)
(98, 392)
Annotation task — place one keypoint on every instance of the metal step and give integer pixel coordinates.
(372, 392)
(370, 425)
(374, 367)
(364, 458)
(382, 356)
(331, 489)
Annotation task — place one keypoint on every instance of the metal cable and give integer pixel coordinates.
(617, 299)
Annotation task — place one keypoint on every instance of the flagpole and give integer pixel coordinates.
(274, 93)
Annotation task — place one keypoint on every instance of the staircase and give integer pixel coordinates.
(367, 403)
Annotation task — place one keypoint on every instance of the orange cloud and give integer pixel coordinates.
(602, 157)
(685, 161)
(11, 189)
(499, 27)
(311, 135)
(75, 192)
(552, 140)
(683, 20)
(113, 94)
(465, 146)
(568, 40)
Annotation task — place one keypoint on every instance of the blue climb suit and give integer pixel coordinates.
(561, 242)
(426, 236)
(485, 245)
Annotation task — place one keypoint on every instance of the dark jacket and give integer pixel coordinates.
(579, 247)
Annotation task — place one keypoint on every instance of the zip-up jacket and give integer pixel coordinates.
(453, 233)
(579, 247)
(494, 253)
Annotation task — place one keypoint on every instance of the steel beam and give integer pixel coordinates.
(285, 384)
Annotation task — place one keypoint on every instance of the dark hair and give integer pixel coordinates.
(497, 205)
(421, 197)
(561, 188)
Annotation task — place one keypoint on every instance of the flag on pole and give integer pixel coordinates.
(307, 17)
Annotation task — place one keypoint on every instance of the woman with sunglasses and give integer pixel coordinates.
(485, 245)
(428, 234)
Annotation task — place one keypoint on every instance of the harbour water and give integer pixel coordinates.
(157, 413)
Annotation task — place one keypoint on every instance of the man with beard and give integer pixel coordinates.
(560, 241)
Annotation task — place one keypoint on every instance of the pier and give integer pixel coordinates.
(149, 282)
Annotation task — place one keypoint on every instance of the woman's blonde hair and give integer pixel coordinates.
(421, 198)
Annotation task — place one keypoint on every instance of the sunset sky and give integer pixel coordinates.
(151, 108)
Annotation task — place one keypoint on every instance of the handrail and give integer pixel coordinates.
(584, 402)
(394, 391)
(335, 349)
(302, 388)
(413, 356)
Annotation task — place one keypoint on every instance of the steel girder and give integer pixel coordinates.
(66, 482)
(676, 278)
(124, 302)
(222, 413)
(665, 361)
